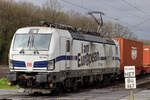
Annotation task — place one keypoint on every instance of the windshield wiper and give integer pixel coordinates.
(29, 41)
(33, 45)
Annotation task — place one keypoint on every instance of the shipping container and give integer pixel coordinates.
(146, 59)
(131, 54)
(146, 55)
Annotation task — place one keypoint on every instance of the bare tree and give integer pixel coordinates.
(145, 42)
(14, 15)
(50, 10)
(116, 30)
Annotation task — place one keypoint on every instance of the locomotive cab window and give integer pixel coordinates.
(32, 41)
(67, 46)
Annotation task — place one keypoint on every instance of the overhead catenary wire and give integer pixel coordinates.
(113, 18)
(142, 22)
(87, 9)
(138, 9)
(76, 5)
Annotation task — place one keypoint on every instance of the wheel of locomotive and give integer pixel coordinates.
(67, 85)
(98, 82)
(75, 87)
(106, 80)
(58, 90)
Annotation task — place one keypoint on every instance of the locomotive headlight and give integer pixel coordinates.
(51, 65)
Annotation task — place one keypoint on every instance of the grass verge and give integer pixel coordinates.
(4, 84)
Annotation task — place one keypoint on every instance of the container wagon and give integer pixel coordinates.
(131, 54)
(146, 59)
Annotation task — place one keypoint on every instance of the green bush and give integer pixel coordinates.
(4, 84)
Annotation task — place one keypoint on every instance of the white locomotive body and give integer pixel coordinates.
(50, 58)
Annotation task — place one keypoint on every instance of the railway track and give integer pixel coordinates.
(84, 94)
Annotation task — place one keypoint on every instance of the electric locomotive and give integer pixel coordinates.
(54, 57)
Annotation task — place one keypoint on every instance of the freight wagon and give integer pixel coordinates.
(131, 54)
(45, 59)
(146, 59)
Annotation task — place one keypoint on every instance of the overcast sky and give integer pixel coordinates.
(134, 14)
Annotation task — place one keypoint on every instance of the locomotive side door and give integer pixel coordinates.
(65, 51)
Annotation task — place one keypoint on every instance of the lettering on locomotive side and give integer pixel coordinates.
(86, 58)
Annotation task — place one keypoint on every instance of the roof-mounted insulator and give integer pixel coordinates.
(55, 25)
(43, 23)
(67, 27)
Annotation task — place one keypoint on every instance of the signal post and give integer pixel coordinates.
(130, 79)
